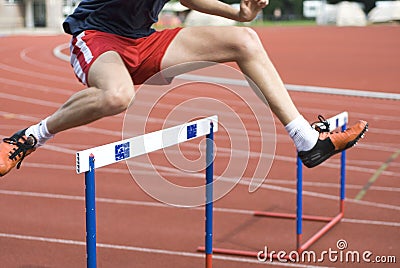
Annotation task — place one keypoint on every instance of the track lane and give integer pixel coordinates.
(371, 149)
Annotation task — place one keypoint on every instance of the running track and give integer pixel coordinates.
(42, 207)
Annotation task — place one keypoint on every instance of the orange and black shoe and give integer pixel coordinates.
(13, 150)
(330, 143)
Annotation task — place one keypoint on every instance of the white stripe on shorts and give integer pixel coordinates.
(87, 54)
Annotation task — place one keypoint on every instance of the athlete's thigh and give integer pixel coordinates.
(215, 44)
(108, 72)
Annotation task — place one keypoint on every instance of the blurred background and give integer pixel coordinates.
(49, 14)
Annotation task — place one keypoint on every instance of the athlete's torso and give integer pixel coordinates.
(130, 18)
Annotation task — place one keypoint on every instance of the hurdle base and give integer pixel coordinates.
(291, 216)
(331, 222)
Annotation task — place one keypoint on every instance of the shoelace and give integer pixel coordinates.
(23, 148)
(322, 125)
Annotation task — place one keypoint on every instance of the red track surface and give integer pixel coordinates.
(42, 207)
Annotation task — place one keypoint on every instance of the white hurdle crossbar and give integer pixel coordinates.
(122, 150)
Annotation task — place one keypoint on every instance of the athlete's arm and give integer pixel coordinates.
(248, 8)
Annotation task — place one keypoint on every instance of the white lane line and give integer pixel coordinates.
(30, 100)
(146, 250)
(55, 78)
(57, 51)
(232, 131)
(344, 92)
(222, 151)
(40, 63)
(42, 88)
(161, 205)
(245, 181)
(280, 138)
(81, 128)
(236, 82)
(228, 152)
(170, 172)
(141, 103)
(299, 88)
(69, 92)
(37, 87)
(332, 185)
(357, 115)
(149, 171)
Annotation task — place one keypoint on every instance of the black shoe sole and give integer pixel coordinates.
(325, 149)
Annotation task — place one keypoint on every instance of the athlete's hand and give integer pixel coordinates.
(250, 8)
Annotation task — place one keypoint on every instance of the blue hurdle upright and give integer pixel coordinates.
(89, 160)
(337, 121)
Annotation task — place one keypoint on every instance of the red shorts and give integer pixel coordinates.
(141, 56)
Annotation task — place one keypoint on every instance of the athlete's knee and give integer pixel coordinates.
(247, 42)
(118, 99)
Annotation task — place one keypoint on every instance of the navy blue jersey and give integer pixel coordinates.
(129, 18)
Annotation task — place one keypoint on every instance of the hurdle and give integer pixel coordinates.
(87, 161)
(335, 122)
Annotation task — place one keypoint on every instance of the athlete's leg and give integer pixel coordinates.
(110, 93)
(242, 45)
(238, 44)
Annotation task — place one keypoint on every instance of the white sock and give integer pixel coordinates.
(40, 132)
(302, 134)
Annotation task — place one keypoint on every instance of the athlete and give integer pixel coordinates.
(114, 47)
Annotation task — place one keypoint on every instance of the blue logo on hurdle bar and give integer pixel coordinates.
(191, 131)
(122, 151)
